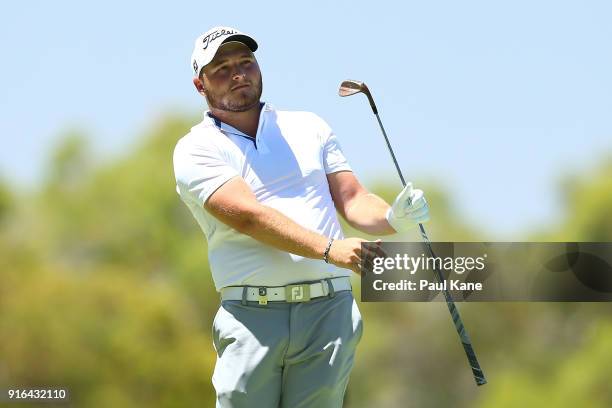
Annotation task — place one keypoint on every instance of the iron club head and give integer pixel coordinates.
(351, 87)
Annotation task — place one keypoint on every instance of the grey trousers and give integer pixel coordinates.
(289, 355)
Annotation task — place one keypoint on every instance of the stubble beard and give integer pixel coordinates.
(237, 101)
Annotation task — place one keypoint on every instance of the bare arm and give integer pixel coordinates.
(363, 210)
(235, 205)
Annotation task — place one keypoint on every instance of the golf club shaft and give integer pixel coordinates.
(397, 167)
(452, 308)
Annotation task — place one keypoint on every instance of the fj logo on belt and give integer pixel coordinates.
(297, 293)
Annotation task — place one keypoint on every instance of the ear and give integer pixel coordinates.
(199, 85)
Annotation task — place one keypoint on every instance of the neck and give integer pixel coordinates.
(246, 122)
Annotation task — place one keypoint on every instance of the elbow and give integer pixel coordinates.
(247, 221)
(244, 226)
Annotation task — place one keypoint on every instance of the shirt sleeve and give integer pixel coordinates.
(199, 171)
(333, 157)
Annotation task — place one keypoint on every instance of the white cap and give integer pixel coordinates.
(207, 44)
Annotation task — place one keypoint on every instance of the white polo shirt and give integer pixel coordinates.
(286, 167)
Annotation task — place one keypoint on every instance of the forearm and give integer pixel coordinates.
(367, 214)
(273, 228)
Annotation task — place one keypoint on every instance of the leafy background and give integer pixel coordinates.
(106, 291)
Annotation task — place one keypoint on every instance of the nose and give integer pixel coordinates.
(238, 75)
(238, 72)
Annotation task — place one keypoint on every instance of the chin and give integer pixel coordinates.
(241, 105)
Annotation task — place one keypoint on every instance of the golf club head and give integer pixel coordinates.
(351, 87)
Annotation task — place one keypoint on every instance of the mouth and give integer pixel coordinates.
(239, 87)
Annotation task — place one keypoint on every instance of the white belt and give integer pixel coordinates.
(301, 292)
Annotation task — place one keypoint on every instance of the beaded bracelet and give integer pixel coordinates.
(326, 253)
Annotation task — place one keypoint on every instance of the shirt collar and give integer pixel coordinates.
(209, 120)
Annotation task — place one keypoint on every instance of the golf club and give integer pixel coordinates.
(348, 88)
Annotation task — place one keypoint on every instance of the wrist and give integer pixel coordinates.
(327, 249)
(391, 219)
(399, 224)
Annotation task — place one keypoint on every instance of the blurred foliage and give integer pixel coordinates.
(69, 163)
(588, 206)
(578, 378)
(6, 203)
(110, 339)
(106, 291)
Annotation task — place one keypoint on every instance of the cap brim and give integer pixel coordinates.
(245, 39)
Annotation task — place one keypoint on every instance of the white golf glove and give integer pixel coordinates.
(409, 209)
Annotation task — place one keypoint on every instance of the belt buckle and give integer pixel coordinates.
(297, 293)
(263, 296)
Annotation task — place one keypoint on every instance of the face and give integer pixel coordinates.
(232, 80)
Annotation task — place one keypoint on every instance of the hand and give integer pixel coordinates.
(347, 253)
(409, 209)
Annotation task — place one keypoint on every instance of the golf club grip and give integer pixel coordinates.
(452, 308)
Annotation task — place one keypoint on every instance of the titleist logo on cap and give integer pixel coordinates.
(214, 35)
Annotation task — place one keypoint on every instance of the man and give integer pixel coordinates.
(264, 186)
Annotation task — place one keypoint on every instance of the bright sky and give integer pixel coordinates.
(495, 101)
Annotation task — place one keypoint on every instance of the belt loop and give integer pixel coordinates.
(332, 292)
(244, 295)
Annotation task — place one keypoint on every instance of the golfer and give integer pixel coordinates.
(264, 185)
